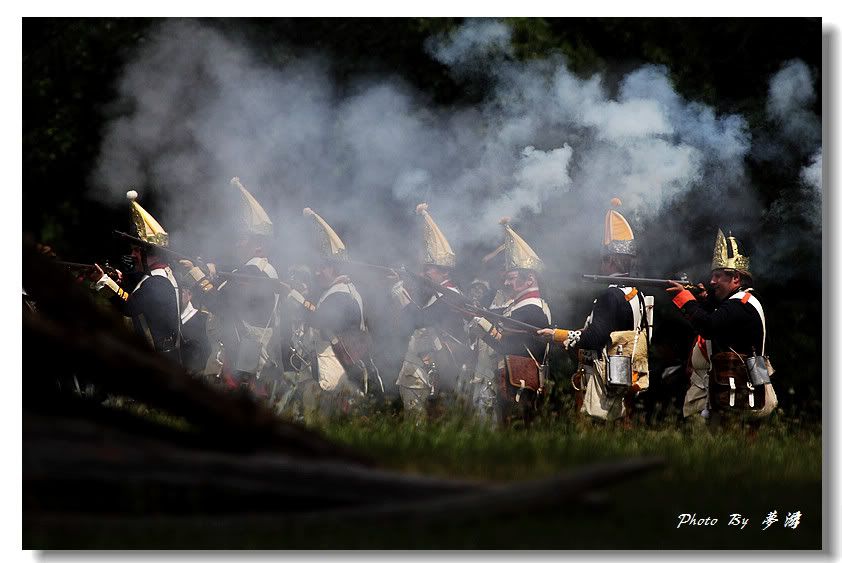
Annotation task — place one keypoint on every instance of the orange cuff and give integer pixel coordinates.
(682, 298)
(560, 334)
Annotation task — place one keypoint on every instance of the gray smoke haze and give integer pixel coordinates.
(811, 175)
(546, 147)
(474, 47)
(795, 142)
(791, 93)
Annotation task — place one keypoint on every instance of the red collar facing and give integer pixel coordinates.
(528, 295)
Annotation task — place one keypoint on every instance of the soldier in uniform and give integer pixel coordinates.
(195, 343)
(299, 389)
(338, 342)
(730, 321)
(491, 294)
(247, 309)
(153, 300)
(616, 310)
(521, 355)
(436, 351)
(479, 384)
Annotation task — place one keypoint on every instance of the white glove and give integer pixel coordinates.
(103, 281)
(400, 294)
(297, 297)
(484, 325)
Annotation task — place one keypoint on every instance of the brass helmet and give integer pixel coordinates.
(437, 250)
(618, 237)
(726, 254)
(145, 225)
(254, 217)
(330, 245)
(519, 255)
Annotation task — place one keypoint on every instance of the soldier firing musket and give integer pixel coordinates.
(247, 309)
(457, 301)
(436, 354)
(730, 367)
(279, 286)
(522, 363)
(619, 327)
(338, 346)
(153, 302)
(461, 303)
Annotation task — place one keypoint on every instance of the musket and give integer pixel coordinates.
(482, 312)
(281, 286)
(106, 267)
(643, 282)
(453, 299)
(462, 303)
(77, 265)
(153, 246)
(376, 267)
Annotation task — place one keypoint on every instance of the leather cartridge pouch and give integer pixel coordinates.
(351, 348)
(730, 386)
(522, 372)
(728, 366)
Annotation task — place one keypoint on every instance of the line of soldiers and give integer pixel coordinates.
(304, 343)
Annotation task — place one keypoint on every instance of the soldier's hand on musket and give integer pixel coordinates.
(481, 325)
(200, 278)
(112, 272)
(546, 333)
(700, 291)
(95, 274)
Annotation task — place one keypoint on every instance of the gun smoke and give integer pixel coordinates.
(545, 146)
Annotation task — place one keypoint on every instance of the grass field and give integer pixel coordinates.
(706, 474)
(709, 474)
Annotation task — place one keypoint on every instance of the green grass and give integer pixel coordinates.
(733, 470)
(706, 473)
(459, 447)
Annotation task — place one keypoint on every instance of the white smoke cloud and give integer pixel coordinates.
(791, 93)
(798, 132)
(810, 203)
(812, 175)
(481, 40)
(546, 147)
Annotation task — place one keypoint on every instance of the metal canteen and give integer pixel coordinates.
(619, 372)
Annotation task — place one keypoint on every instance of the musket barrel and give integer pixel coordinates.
(157, 247)
(651, 282)
(456, 300)
(250, 278)
(74, 264)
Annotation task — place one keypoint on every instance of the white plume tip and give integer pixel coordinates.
(131, 195)
(421, 207)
